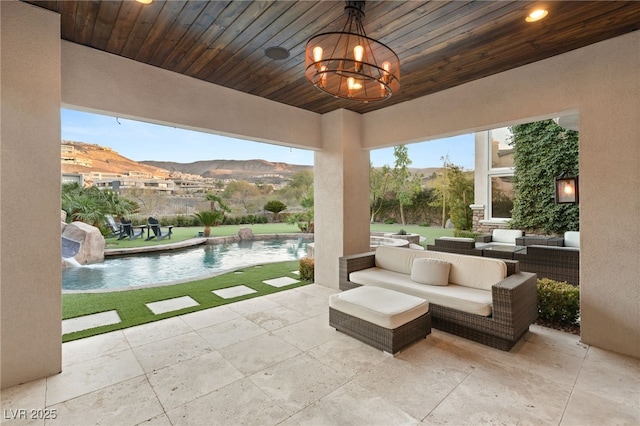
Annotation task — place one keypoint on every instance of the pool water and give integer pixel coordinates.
(179, 265)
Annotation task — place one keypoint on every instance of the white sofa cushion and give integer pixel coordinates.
(430, 271)
(465, 299)
(505, 236)
(468, 271)
(572, 239)
(396, 260)
(380, 306)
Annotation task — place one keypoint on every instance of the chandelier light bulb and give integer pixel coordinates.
(358, 53)
(386, 66)
(351, 82)
(317, 54)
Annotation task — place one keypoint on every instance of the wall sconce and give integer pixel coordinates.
(566, 189)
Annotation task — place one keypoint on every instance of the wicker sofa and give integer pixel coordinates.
(486, 300)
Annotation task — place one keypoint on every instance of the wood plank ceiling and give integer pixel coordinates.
(440, 44)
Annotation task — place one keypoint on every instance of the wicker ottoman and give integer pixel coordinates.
(385, 319)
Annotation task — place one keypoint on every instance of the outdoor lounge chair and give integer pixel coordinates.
(154, 226)
(113, 226)
(128, 230)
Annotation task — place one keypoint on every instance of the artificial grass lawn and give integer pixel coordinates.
(131, 307)
(184, 233)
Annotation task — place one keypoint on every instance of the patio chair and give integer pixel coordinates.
(560, 263)
(128, 230)
(114, 226)
(499, 237)
(154, 226)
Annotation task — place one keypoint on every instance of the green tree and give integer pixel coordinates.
(214, 198)
(542, 151)
(453, 195)
(299, 185)
(275, 207)
(304, 220)
(406, 184)
(242, 193)
(380, 180)
(460, 188)
(90, 205)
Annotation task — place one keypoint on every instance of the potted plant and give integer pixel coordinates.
(209, 218)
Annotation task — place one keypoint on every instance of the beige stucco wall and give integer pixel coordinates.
(30, 296)
(101, 82)
(602, 82)
(341, 194)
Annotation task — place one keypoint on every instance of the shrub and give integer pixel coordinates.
(558, 302)
(464, 234)
(424, 224)
(275, 207)
(402, 232)
(389, 221)
(307, 269)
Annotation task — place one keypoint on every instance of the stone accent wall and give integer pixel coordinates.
(478, 216)
(478, 219)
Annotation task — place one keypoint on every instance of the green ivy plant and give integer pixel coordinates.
(542, 151)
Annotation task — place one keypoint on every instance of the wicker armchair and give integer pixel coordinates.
(556, 263)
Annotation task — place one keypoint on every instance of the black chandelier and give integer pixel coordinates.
(349, 65)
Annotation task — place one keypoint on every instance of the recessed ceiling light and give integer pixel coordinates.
(276, 53)
(536, 15)
(145, 1)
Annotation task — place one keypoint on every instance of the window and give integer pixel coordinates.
(502, 196)
(500, 174)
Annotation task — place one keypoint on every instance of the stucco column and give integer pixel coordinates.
(30, 268)
(341, 194)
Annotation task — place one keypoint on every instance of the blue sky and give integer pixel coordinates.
(141, 141)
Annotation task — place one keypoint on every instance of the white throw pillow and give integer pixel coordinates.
(430, 271)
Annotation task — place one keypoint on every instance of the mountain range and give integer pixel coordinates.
(230, 169)
(81, 157)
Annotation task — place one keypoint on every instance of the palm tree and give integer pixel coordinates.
(209, 218)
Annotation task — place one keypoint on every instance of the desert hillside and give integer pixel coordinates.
(226, 169)
(80, 157)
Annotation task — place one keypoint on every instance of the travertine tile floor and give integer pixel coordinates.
(275, 361)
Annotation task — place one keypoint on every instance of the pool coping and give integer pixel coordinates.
(202, 240)
(160, 247)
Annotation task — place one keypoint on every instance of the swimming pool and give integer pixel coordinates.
(179, 265)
